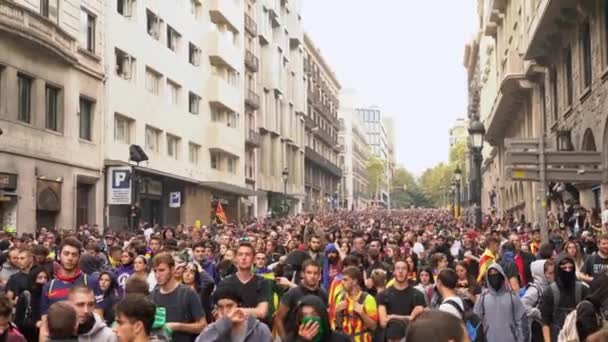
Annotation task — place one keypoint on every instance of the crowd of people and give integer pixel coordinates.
(363, 276)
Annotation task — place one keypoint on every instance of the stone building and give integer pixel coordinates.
(540, 68)
(51, 113)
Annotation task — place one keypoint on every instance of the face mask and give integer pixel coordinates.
(87, 325)
(320, 332)
(496, 281)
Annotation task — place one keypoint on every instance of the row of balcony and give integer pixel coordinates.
(252, 99)
(321, 161)
(253, 138)
(251, 61)
(227, 12)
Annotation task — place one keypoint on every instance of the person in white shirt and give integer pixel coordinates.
(446, 285)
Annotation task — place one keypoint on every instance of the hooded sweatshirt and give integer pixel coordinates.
(531, 298)
(501, 311)
(100, 332)
(329, 335)
(566, 283)
(7, 271)
(220, 331)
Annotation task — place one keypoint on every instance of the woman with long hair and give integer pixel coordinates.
(195, 278)
(426, 284)
(572, 249)
(466, 286)
(29, 301)
(110, 295)
(140, 268)
(125, 270)
(412, 267)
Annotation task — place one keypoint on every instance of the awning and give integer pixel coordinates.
(229, 188)
(150, 171)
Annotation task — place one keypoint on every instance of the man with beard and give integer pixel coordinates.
(314, 249)
(10, 266)
(67, 276)
(286, 314)
(19, 282)
(374, 261)
(91, 327)
(562, 296)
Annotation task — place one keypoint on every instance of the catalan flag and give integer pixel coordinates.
(485, 261)
(220, 215)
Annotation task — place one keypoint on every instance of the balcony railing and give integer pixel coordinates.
(250, 25)
(254, 138)
(252, 99)
(30, 25)
(251, 61)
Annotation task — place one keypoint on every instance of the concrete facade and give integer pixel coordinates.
(51, 114)
(323, 173)
(282, 89)
(378, 141)
(550, 80)
(354, 154)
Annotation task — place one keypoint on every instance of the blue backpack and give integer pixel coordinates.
(472, 322)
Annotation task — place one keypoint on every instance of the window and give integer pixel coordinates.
(172, 38)
(122, 129)
(215, 160)
(568, 67)
(48, 9)
(554, 91)
(125, 64)
(87, 31)
(193, 152)
(172, 146)
(231, 164)
(153, 80)
(153, 25)
(193, 102)
(173, 92)
(586, 54)
(25, 98)
(52, 108)
(86, 119)
(152, 139)
(194, 54)
(216, 115)
(195, 8)
(125, 7)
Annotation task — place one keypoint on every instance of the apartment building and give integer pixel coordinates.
(253, 138)
(540, 79)
(323, 174)
(280, 118)
(377, 139)
(354, 154)
(175, 88)
(51, 113)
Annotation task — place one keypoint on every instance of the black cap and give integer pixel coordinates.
(227, 292)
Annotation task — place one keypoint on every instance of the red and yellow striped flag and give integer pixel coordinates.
(485, 261)
(220, 215)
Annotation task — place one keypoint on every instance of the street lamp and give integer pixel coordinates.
(457, 179)
(285, 176)
(476, 134)
(453, 198)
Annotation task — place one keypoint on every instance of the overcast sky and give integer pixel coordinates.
(404, 56)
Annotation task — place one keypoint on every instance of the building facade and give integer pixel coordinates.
(377, 139)
(549, 86)
(322, 172)
(282, 89)
(354, 155)
(51, 114)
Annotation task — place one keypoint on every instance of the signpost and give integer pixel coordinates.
(119, 185)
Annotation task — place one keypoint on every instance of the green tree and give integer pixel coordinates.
(405, 191)
(435, 183)
(376, 176)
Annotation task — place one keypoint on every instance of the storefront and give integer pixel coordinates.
(8, 201)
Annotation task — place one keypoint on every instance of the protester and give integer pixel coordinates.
(135, 319)
(19, 281)
(312, 323)
(589, 315)
(437, 326)
(233, 321)
(62, 323)
(532, 297)
(91, 327)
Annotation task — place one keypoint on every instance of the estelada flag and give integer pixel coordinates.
(220, 215)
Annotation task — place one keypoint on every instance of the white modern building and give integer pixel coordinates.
(354, 154)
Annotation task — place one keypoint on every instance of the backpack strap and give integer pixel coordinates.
(456, 306)
(51, 288)
(556, 296)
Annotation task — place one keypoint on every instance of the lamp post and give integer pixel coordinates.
(457, 179)
(476, 134)
(453, 198)
(285, 176)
